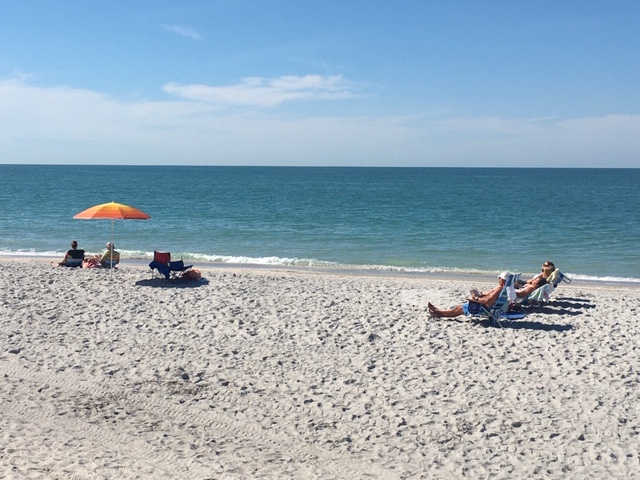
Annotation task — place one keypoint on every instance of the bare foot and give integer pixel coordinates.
(433, 310)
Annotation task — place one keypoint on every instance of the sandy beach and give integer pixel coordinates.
(281, 373)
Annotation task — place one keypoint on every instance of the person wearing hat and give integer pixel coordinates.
(111, 256)
(487, 299)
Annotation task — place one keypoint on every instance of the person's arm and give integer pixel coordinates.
(64, 260)
(526, 290)
(489, 298)
(534, 280)
(531, 285)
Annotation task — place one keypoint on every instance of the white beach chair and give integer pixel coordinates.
(543, 293)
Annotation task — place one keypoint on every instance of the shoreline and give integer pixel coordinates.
(344, 271)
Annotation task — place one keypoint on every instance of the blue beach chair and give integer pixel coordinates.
(163, 264)
(178, 267)
(74, 258)
(500, 310)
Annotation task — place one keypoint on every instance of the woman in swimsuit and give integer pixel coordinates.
(536, 282)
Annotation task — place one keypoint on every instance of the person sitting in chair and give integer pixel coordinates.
(72, 254)
(536, 282)
(487, 299)
(110, 257)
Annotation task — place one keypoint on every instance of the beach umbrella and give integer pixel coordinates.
(112, 211)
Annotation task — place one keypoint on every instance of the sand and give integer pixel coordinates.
(280, 373)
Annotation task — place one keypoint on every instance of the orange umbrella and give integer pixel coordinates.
(112, 211)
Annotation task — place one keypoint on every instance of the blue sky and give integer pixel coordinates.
(294, 82)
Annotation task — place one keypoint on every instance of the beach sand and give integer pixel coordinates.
(282, 373)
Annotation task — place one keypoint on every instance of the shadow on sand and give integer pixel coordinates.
(563, 306)
(513, 324)
(177, 283)
(531, 325)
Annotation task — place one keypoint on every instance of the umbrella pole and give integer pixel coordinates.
(111, 251)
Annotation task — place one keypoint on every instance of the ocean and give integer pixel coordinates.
(458, 220)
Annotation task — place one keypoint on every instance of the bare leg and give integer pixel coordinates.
(452, 312)
(526, 290)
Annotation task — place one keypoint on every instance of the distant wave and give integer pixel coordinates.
(309, 262)
(30, 253)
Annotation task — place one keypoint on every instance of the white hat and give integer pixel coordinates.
(504, 275)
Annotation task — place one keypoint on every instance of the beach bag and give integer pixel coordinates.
(91, 262)
(193, 274)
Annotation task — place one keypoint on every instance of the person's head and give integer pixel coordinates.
(74, 244)
(548, 267)
(503, 276)
(111, 246)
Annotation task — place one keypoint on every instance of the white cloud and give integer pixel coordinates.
(69, 125)
(265, 92)
(183, 31)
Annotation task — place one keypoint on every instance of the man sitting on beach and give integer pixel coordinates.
(74, 254)
(486, 299)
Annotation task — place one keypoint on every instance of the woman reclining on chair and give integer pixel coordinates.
(486, 299)
(536, 282)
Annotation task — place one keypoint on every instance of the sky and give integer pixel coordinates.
(419, 83)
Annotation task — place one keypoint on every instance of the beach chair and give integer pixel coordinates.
(177, 268)
(500, 310)
(543, 293)
(112, 260)
(110, 263)
(74, 259)
(161, 264)
(165, 267)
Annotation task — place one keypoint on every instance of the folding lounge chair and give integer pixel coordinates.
(543, 294)
(178, 267)
(163, 264)
(500, 309)
(77, 256)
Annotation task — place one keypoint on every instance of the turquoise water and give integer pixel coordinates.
(416, 219)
